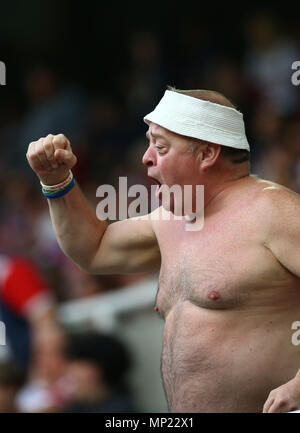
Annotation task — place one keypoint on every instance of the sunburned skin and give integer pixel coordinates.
(228, 306)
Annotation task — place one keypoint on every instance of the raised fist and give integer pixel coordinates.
(51, 158)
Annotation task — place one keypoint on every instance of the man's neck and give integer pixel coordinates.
(219, 190)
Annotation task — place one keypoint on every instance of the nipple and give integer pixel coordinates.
(213, 295)
(156, 309)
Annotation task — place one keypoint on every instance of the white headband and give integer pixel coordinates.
(196, 118)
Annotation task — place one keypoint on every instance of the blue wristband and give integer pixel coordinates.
(60, 193)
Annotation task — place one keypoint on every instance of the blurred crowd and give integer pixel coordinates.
(69, 373)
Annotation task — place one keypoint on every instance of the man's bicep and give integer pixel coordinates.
(128, 246)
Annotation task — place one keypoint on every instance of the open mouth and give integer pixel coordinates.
(158, 185)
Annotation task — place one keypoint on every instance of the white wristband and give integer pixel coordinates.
(59, 185)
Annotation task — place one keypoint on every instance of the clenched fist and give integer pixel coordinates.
(51, 158)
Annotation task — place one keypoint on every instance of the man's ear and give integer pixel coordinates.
(209, 154)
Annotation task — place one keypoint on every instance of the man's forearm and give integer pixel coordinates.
(76, 225)
(77, 228)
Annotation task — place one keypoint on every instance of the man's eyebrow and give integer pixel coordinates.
(154, 135)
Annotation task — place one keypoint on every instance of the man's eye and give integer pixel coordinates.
(159, 147)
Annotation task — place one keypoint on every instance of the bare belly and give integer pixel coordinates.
(225, 360)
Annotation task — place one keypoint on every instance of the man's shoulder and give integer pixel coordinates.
(280, 223)
(276, 203)
(271, 194)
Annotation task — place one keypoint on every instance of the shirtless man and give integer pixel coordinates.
(228, 293)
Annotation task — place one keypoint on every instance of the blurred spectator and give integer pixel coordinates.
(226, 76)
(25, 307)
(48, 388)
(17, 213)
(268, 61)
(265, 127)
(281, 160)
(98, 365)
(146, 77)
(12, 378)
(108, 136)
(52, 107)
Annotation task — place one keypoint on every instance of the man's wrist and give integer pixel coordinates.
(60, 189)
(54, 178)
(52, 187)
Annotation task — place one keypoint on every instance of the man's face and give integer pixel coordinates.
(170, 161)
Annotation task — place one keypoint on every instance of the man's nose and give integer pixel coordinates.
(149, 157)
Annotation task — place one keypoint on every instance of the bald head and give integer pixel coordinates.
(235, 156)
(206, 95)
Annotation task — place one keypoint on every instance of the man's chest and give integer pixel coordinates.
(223, 268)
